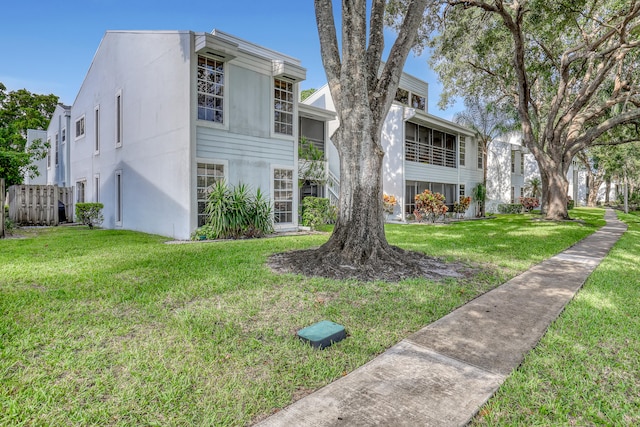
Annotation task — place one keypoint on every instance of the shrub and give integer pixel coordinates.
(529, 203)
(235, 213)
(430, 206)
(510, 208)
(8, 224)
(570, 203)
(89, 213)
(317, 211)
(389, 202)
(462, 206)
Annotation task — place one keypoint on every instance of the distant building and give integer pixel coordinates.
(422, 151)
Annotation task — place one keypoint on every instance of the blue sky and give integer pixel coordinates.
(47, 47)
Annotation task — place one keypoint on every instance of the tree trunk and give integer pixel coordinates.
(556, 196)
(595, 181)
(358, 237)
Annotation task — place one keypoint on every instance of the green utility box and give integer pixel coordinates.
(322, 334)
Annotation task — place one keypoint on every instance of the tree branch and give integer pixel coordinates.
(390, 76)
(376, 42)
(329, 45)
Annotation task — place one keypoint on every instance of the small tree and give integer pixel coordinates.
(311, 165)
(533, 187)
(479, 194)
(89, 214)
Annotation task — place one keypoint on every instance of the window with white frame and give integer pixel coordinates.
(283, 196)
(119, 198)
(118, 119)
(480, 156)
(463, 150)
(521, 191)
(80, 187)
(521, 163)
(64, 135)
(56, 149)
(282, 107)
(411, 99)
(80, 127)
(513, 161)
(513, 194)
(413, 188)
(210, 87)
(96, 136)
(461, 192)
(208, 174)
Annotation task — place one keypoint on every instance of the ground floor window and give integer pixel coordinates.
(80, 186)
(513, 194)
(416, 187)
(96, 188)
(118, 210)
(283, 196)
(208, 174)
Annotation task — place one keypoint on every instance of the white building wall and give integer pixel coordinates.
(59, 172)
(151, 72)
(396, 171)
(393, 171)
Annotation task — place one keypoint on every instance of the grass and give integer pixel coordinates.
(585, 369)
(116, 328)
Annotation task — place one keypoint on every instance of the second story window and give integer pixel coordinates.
(80, 127)
(513, 161)
(463, 150)
(283, 107)
(403, 96)
(210, 90)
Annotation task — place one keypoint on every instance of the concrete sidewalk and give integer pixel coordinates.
(444, 373)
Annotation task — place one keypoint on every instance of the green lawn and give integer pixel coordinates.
(586, 369)
(116, 328)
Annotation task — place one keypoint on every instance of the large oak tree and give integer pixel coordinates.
(363, 87)
(571, 68)
(362, 95)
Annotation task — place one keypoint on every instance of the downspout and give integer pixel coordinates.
(58, 155)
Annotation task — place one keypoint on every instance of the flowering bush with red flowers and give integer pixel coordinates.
(529, 203)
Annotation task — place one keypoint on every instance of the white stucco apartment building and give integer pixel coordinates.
(422, 151)
(161, 115)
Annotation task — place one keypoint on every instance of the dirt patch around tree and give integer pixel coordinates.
(404, 265)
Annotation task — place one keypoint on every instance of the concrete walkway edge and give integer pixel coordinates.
(444, 373)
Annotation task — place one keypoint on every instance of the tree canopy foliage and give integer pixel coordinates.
(21, 110)
(489, 119)
(571, 68)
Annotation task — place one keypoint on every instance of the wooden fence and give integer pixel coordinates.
(39, 204)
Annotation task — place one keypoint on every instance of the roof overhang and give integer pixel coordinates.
(288, 71)
(316, 113)
(217, 47)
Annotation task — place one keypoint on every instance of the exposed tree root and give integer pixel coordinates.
(390, 264)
